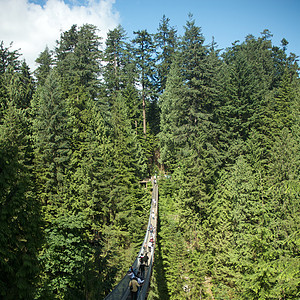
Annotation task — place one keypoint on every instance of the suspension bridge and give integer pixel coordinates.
(122, 290)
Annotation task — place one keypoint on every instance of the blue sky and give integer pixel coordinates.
(226, 20)
(34, 24)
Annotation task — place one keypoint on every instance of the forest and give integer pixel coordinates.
(220, 127)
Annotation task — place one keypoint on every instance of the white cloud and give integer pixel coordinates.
(32, 27)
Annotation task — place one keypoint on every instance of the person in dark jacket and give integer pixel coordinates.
(145, 259)
(142, 269)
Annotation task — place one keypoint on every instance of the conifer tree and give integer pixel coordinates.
(45, 63)
(249, 66)
(78, 60)
(20, 211)
(9, 62)
(115, 56)
(52, 155)
(51, 140)
(20, 85)
(166, 42)
(126, 145)
(143, 52)
(198, 131)
(198, 69)
(78, 57)
(20, 223)
(173, 118)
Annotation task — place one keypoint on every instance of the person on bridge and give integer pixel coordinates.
(140, 281)
(134, 286)
(131, 272)
(141, 258)
(150, 246)
(142, 268)
(154, 202)
(146, 259)
(151, 228)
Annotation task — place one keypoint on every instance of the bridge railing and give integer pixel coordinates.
(121, 291)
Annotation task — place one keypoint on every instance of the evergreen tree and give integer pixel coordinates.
(78, 60)
(45, 63)
(8, 57)
(249, 78)
(78, 57)
(20, 86)
(166, 42)
(285, 102)
(198, 131)
(51, 141)
(199, 69)
(52, 155)
(250, 265)
(115, 56)
(9, 61)
(173, 118)
(20, 221)
(143, 52)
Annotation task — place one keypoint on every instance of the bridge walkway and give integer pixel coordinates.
(122, 291)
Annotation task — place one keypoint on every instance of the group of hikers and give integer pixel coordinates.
(137, 278)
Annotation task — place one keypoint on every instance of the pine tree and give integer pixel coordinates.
(199, 68)
(51, 141)
(9, 62)
(20, 225)
(45, 64)
(78, 56)
(166, 43)
(143, 52)
(52, 155)
(78, 60)
(20, 220)
(115, 56)
(249, 78)
(251, 265)
(127, 154)
(20, 85)
(173, 118)
(198, 131)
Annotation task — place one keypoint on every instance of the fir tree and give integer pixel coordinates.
(20, 225)
(78, 60)
(115, 56)
(9, 62)
(52, 140)
(166, 42)
(45, 63)
(143, 52)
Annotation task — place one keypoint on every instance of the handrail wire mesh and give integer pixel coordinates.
(122, 291)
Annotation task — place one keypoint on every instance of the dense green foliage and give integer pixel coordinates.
(229, 138)
(76, 139)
